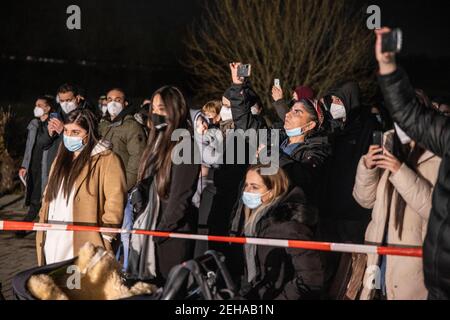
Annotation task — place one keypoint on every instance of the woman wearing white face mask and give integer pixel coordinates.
(37, 157)
(86, 187)
(397, 185)
(269, 209)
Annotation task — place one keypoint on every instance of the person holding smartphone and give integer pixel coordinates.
(396, 185)
(38, 157)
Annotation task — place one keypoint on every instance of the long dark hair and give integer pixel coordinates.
(67, 169)
(410, 156)
(157, 157)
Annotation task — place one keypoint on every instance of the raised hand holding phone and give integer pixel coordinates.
(386, 60)
(234, 73)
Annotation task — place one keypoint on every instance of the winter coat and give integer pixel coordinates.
(350, 141)
(128, 141)
(50, 150)
(404, 275)
(306, 165)
(242, 99)
(176, 214)
(432, 131)
(102, 207)
(283, 274)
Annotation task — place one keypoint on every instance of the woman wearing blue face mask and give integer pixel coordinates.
(87, 186)
(305, 150)
(269, 209)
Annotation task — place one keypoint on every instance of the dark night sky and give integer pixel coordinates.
(149, 32)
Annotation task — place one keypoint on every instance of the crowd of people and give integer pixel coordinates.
(112, 165)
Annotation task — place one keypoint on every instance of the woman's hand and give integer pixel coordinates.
(386, 60)
(22, 172)
(388, 161)
(370, 157)
(277, 93)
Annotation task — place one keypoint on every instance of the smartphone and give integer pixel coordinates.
(392, 41)
(276, 83)
(244, 70)
(377, 138)
(55, 115)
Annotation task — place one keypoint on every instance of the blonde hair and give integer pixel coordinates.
(277, 183)
(212, 106)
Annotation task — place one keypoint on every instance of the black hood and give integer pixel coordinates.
(349, 93)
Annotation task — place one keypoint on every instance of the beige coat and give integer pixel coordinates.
(404, 275)
(103, 208)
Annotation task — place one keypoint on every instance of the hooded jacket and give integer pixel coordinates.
(283, 274)
(431, 130)
(350, 140)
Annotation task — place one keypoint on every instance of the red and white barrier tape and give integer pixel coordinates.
(309, 245)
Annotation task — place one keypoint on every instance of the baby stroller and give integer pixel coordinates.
(203, 278)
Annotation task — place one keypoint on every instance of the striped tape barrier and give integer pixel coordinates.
(309, 245)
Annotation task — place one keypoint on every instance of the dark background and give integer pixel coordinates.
(137, 45)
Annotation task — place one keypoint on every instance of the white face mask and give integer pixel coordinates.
(404, 138)
(225, 114)
(38, 112)
(114, 108)
(104, 109)
(337, 111)
(68, 106)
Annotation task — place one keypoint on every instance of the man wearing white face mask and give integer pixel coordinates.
(351, 127)
(124, 132)
(38, 157)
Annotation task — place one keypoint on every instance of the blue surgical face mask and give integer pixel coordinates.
(73, 144)
(252, 200)
(294, 132)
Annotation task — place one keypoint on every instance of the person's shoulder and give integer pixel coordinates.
(130, 122)
(34, 123)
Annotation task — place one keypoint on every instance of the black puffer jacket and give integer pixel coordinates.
(432, 131)
(242, 99)
(306, 166)
(284, 274)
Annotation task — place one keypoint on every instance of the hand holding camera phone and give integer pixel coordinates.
(276, 83)
(54, 115)
(375, 150)
(392, 41)
(244, 70)
(377, 138)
